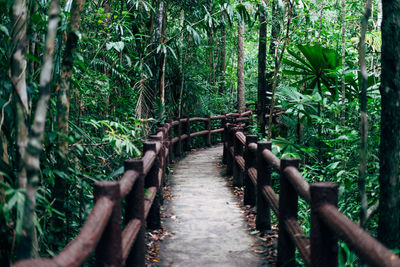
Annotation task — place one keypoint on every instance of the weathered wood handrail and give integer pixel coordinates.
(102, 231)
(327, 222)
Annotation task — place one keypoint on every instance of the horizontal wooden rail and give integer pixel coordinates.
(197, 119)
(219, 130)
(129, 235)
(81, 247)
(199, 133)
(299, 184)
(252, 163)
(272, 159)
(140, 187)
(372, 252)
(127, 181)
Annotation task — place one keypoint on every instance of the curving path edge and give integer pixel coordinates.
(204, 218)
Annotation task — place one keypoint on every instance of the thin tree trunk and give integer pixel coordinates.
(321, 12)
(163, 60)
(63, 105)
(364, 120)
(222, 59)
(159, 77)
(210, 44)
(343, 56)
(240, 67)
(389, 197)
(273, 45)
(66, 73)
(262, 80)
(18, 79)
(182, 62)
(277, 67)
(4, 157)
(32, 157)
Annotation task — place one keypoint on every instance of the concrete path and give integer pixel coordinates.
(207, 226)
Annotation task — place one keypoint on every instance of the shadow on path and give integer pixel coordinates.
(207, 226)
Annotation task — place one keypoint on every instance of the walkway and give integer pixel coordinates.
(206, 223)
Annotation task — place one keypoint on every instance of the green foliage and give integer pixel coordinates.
(315, 65)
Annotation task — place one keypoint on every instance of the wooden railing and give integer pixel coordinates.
(140, 187)
(252, 163)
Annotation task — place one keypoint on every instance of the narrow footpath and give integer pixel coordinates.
(205, 220)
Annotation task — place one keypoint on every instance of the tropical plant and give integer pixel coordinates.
(315, 65)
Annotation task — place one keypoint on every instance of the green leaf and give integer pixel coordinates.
(4, 30)
(118, 46)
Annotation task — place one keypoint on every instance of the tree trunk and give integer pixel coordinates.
(321, 12)
(163, 60)
(275, 33)
(273, 45)
(66, 74)
(364, 120)
(222, 59)
(159, 67)
(210, 44)
(31, 160)
(18, 79)
(277, 67)
(182, 61)
(63, 105)
(343, 57)
(389, 198)
(240, 67)
(262, 82)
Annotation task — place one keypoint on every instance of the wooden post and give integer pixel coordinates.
(169, 137)
(178, 144)
(186, 129)
(153, 218)
(167, 149)
(207, 126)
(324, 242)
(109, 249)
(134, 208)
(250, 162)
(225, 142)
(238, 151)
(163, 160)
(288, 199)
(263, 219)
(229, 156)
(223, 122)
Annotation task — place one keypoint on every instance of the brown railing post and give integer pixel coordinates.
(229, 156)
(238, 151)
(263, 218)
(225, 143)
(163, 139)
(134, 208)
(178, 144)
(109, 249)
(223, 122)
(153, 218)
(167, 146)
(288, 199)
(186, 129)
(169, 137)
(207, 126)
(250, 162)
(324, 241)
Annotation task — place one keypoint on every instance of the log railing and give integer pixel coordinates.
(140, 187)
(252, 163)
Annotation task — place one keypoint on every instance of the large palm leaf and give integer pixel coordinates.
(315, 65)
